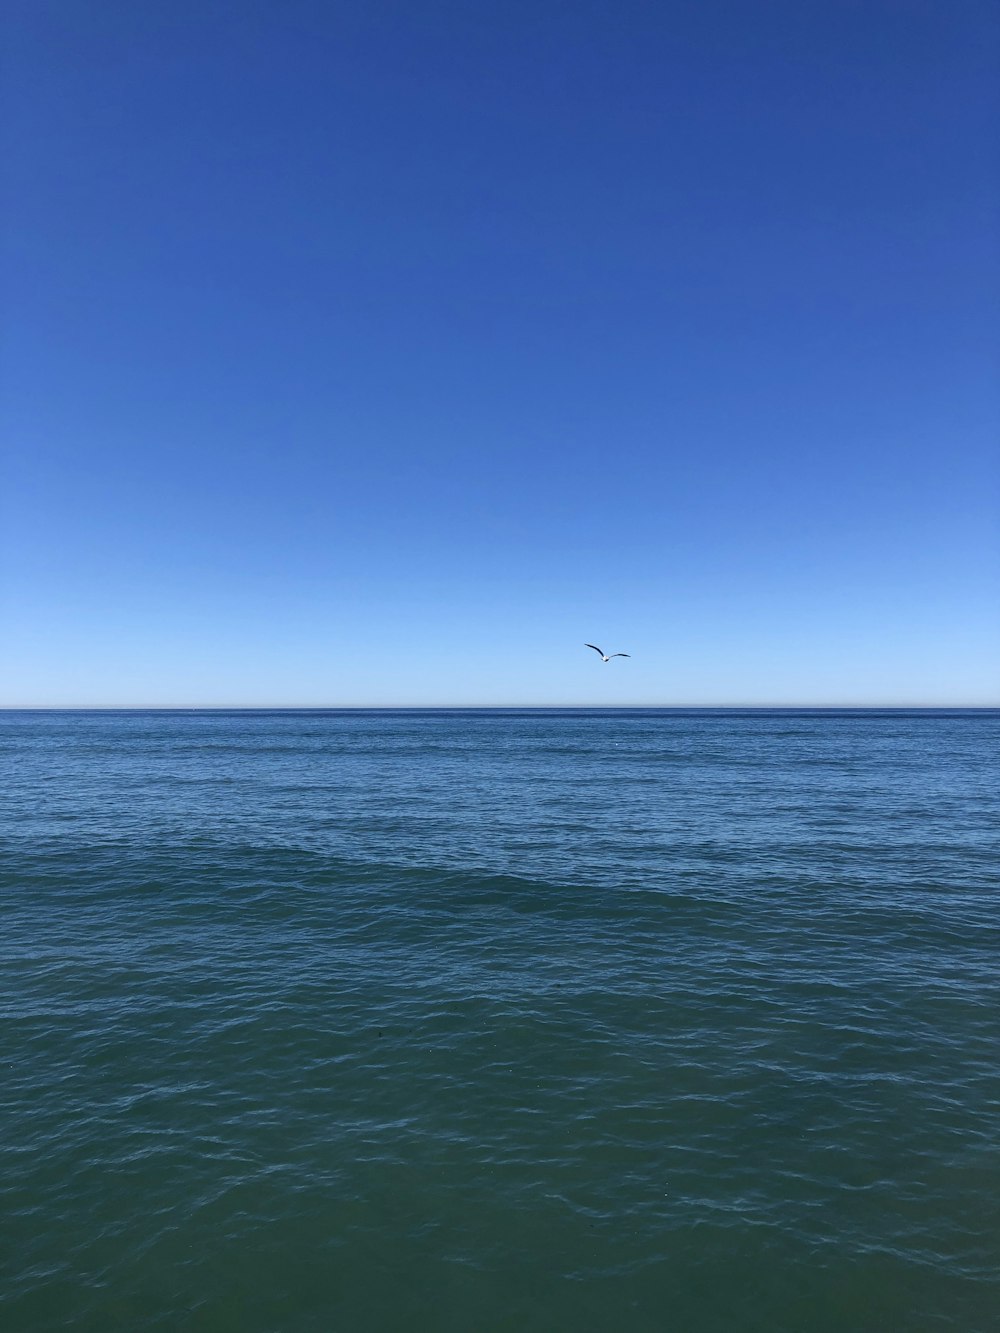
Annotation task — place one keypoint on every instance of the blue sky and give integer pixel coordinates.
(385, 353)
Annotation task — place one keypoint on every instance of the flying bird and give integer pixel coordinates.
(603, 656)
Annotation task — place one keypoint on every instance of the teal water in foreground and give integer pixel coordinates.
(469, 1022)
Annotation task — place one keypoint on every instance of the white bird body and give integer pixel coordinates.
(604, 656)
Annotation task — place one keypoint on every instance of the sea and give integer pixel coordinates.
(500, 1021)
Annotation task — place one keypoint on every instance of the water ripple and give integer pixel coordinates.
(533, 1021)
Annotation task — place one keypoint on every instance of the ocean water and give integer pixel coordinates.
(468, 1022)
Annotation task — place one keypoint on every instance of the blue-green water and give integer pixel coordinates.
(471, 1022)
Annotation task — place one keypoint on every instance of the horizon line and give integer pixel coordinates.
(442, 707)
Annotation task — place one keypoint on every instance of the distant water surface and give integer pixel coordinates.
(500, 1021)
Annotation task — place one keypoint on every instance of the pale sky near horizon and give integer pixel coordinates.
(376, 353)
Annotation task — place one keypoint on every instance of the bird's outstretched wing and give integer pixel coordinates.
(621, 654)
(595, 648)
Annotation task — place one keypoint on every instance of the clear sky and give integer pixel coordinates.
(384, 352)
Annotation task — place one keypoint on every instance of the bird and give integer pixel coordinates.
(603, 656)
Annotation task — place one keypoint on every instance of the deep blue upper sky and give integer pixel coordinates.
(386, 352)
